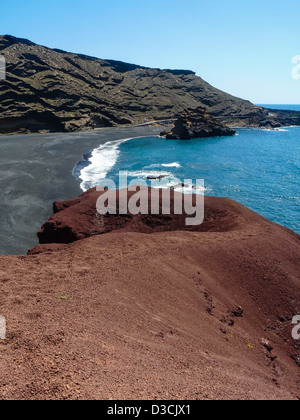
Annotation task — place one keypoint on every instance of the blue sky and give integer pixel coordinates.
(244, 47)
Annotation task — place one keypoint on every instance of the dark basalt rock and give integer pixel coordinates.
(151, 178)
(197, 123)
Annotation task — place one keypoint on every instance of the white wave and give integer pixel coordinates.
(179, 186)
(171, 165)
(145, 174)
(164, 165)
(105, 157)
(101, 161)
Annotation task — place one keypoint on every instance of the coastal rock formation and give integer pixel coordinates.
(164, 315)
(52, 90)
(77, 219)
(197, 123)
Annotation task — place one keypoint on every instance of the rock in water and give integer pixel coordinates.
(197, 123)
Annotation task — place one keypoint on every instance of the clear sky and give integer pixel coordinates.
(244, 47)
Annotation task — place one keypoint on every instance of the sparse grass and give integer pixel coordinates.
(64, 297)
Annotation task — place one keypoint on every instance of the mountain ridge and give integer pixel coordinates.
(50, 90)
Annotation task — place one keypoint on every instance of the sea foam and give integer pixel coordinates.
(101, 161)
(171, 165)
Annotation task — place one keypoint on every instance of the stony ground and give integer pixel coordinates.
(163, 315)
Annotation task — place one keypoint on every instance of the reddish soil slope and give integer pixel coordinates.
(167, 315)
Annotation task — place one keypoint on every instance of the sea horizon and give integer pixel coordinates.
(290, 107)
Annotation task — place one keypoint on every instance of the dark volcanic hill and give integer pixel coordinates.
(52, 90)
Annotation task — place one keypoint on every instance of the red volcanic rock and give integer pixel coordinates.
(78, 219)
(168, 315)
(40, 249)
(164, 315)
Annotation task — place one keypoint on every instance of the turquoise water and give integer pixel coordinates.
(258, 168)
(290, 107)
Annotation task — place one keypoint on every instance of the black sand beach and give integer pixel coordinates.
(36, 170)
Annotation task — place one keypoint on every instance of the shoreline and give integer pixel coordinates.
(87, 160)
(39, 172)
(43, 172)
(153, 124)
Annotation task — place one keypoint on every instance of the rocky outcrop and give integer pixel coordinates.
(78, 219)
(52, 90)
(197, 123)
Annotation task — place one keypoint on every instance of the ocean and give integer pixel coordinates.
(258, 168)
